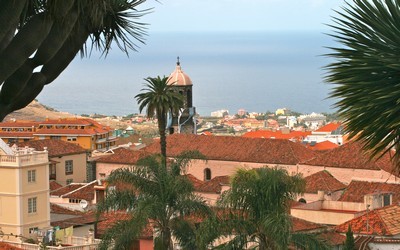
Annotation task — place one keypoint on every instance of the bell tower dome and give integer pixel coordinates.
(183, 122)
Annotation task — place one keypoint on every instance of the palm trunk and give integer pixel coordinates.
(161, 117)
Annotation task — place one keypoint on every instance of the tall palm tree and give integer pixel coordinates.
(54, 32)
(159, 197)
(158, 99)
(366, 74)
(256, 211)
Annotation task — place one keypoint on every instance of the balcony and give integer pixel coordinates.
(20, 160)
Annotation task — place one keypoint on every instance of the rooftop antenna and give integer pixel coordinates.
(178, 63)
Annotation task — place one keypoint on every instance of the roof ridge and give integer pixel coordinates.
(75, 190)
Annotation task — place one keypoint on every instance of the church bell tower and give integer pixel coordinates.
(183, 122)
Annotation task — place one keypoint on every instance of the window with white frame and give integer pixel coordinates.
(32, 202)
(32, 175)
(69, 181)
(71, 138)
(69, 167)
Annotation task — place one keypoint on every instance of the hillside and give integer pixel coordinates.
(36, 111)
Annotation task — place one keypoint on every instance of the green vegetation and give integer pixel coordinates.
(54, 32)
(153, 195)
(158, 99)
(349, 244)
(365, 74)
(256, 211)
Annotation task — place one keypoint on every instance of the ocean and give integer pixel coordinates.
(255, 71)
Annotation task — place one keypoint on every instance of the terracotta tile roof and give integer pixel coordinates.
(18, 124)
(329, 127)
(56, 209)
(54, 147)
(321, 146)
(322, 181)
(54, 185)
(332, 238)
(5, 246)
(298, 135)
(86, 192)
(356, 190)
(214, 185)
(122, 156)
(349, 155)
(68, 121)
(196, 182)
(384, 222)
(14, 134)
(229, 148)
(67, 189)
(300, 225)
(109, 219)
(82, 219)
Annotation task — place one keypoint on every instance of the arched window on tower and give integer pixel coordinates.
(207, 174)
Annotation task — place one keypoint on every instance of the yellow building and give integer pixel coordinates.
(85, 132)
(24, 190)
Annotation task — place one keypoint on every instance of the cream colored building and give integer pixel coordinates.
(24, 191)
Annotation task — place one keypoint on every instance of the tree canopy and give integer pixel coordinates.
(39, 38)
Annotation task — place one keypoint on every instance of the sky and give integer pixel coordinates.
(240, 15)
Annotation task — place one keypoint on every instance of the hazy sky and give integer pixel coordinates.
(238, 15)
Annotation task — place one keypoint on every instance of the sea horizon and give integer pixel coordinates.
(255, 71)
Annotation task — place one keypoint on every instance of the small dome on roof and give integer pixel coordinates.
(178, 77)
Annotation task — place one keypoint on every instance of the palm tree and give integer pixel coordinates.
(159, 197)
(159, 99)
(255, 211)
(55, 31)
(366, 76)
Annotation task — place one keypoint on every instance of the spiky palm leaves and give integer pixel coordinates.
(366, 73)
(39, 38)
(158, 99)
(256, 211)
(158, 196)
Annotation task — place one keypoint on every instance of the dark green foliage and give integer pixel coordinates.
(49, 35)
(256, 211)
(365, 74)
(158, 99)
(158, 196)
(349, 243)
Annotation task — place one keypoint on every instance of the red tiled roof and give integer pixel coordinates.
(18, 124)
(332, 238)
(14, 134)
(122, 156)
(54, 185)
(349, 155)
(109, 219)
(5, 246)
(86, 192)
(229, 148)
(303, 225)
(276, 134)
(196, 182)
(384, 222)
(82, 219)
(329, 127)
(214, 185)
(325, 145)
(68, 121)
(56, 209)
(67, 189)
(54, 147)
(322, 181)
(356, 190)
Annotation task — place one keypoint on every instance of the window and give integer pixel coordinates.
(31, 175)
(69, 167)
(69, 181)
(32, 205)
(71, 138)
(207, 174)
(75, 201)
(33, 230)
(55, 137)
